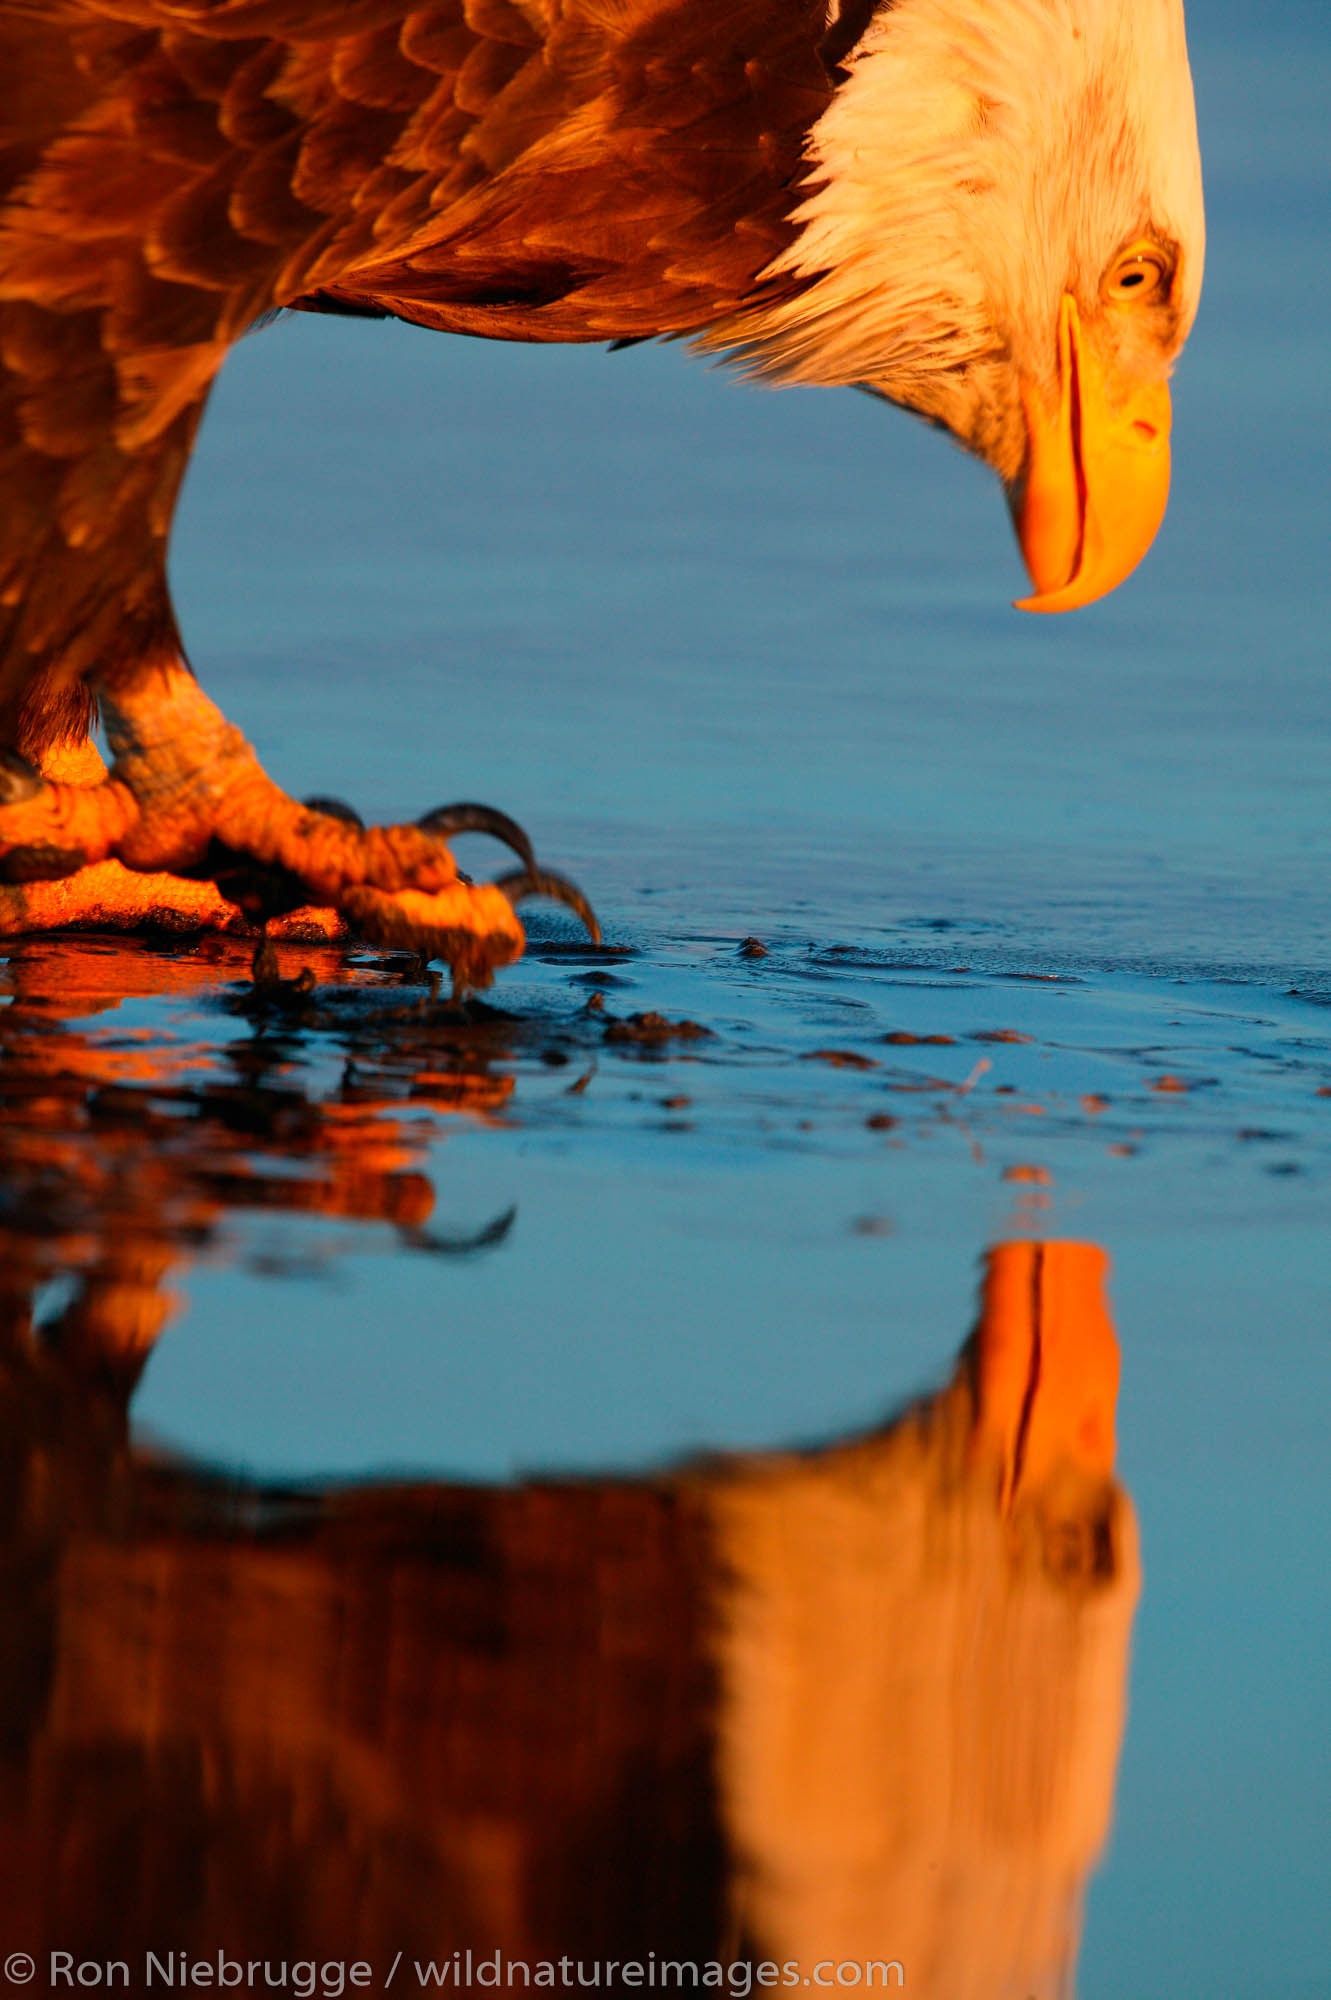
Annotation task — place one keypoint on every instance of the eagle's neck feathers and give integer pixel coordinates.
(954, 193)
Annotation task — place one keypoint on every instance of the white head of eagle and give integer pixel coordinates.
(1003, 231)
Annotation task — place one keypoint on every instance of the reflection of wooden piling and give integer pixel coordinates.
(856, 1703)
(924, 1648)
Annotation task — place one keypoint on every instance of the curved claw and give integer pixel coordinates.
(466, 817)
(335, 809)
(18, 780)
(528, 882)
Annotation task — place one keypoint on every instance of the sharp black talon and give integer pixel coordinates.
(335, 809)
(18, 779)
(529, 882)
(468, 818)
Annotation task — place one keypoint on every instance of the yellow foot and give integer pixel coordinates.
(108, 897)
(187, 798)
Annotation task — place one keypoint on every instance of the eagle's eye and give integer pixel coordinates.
(1137, 273)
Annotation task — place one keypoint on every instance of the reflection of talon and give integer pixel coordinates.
(447, 1243)
(266, 975)
(186, 797)
(109, 1186)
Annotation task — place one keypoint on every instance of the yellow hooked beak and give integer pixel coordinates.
(1097, 477)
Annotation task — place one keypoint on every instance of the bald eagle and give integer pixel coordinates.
(988, 211)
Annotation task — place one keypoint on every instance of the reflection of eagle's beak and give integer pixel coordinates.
(1096, 479)
(1046, 1362)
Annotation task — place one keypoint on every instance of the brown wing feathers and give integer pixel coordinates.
(636, 169)
(171, 169)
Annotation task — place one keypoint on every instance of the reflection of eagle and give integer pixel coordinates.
(860, 1704)
(987, 210)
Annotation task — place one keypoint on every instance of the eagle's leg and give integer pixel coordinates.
(186, 796)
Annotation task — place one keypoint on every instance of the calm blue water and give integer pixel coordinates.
(744, 663)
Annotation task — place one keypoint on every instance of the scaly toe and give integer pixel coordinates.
(474, 929)
(109, 897)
